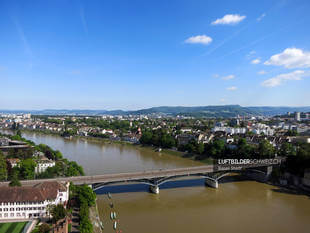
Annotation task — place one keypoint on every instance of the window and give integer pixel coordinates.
(12, 215)
(11, 209)
(6, 215)
(18, 215)
(0, 209)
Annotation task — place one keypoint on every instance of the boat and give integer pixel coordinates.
(111, 205)
(158, 150)
(112, 216)
(114, 225)
(109, 195)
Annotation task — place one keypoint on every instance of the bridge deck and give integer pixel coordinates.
(136, 176)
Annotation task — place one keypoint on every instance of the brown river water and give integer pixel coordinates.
(238, 206)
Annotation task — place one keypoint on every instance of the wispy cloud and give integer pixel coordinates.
(200, 39)
(215, 75)
(264, 37)
(251, 54)
(230, 19)
(281, 78)
(22, 37)
(261, 17)
(290, 58)
(255, 61)
(233, 88)
(228, 77)
(83, 19)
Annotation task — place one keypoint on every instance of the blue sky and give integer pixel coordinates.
(137, 54)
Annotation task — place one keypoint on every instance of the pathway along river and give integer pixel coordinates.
(182, 206)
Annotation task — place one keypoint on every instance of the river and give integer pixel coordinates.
(184, 206)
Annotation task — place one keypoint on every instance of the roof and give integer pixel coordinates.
(51, 188)
(13, 160)
(40, 192)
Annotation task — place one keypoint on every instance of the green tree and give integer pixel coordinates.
(58, 212)
(15, 181)
(200, 148)
(44, 228)
(265, 150)
(3, 168)
(86, 194)
(27, 169)
(19, 133)
(287, 149)
(146, 137)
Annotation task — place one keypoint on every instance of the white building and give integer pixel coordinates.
(31, 202)
(43, 164)
(230, 130)
(297, 116)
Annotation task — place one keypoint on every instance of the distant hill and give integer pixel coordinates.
(198, 111)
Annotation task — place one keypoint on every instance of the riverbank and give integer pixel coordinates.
(95, 219)
(193, 157)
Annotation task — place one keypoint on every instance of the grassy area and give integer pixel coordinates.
(12, 227)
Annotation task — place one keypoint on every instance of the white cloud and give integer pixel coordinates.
(216, 75)
(261, 72)
(281, 78)
(255, 61)
(228, 77)
(229, 19)
(200, 39)
(233, 88)
(261, 17)
(222, 100)
(290, 58)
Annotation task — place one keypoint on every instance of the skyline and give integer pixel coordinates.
(134, 55)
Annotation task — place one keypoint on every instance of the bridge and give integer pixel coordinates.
(154, 178)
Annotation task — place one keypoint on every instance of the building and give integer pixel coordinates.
(184, 139)
(31, 202)
(297, 116)
(4, 141)
(43, 164)
(12, 162)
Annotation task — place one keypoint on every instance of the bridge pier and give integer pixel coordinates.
(212, 183)
(154, 189)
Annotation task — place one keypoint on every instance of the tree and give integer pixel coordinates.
(287, 149)
(265, 150)
(15, 181)
(27, 168)
(44, 228)
(19, 133)
(58, 212)
(146, 137)
(86, 194)
(3, 168)
(200, 148)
